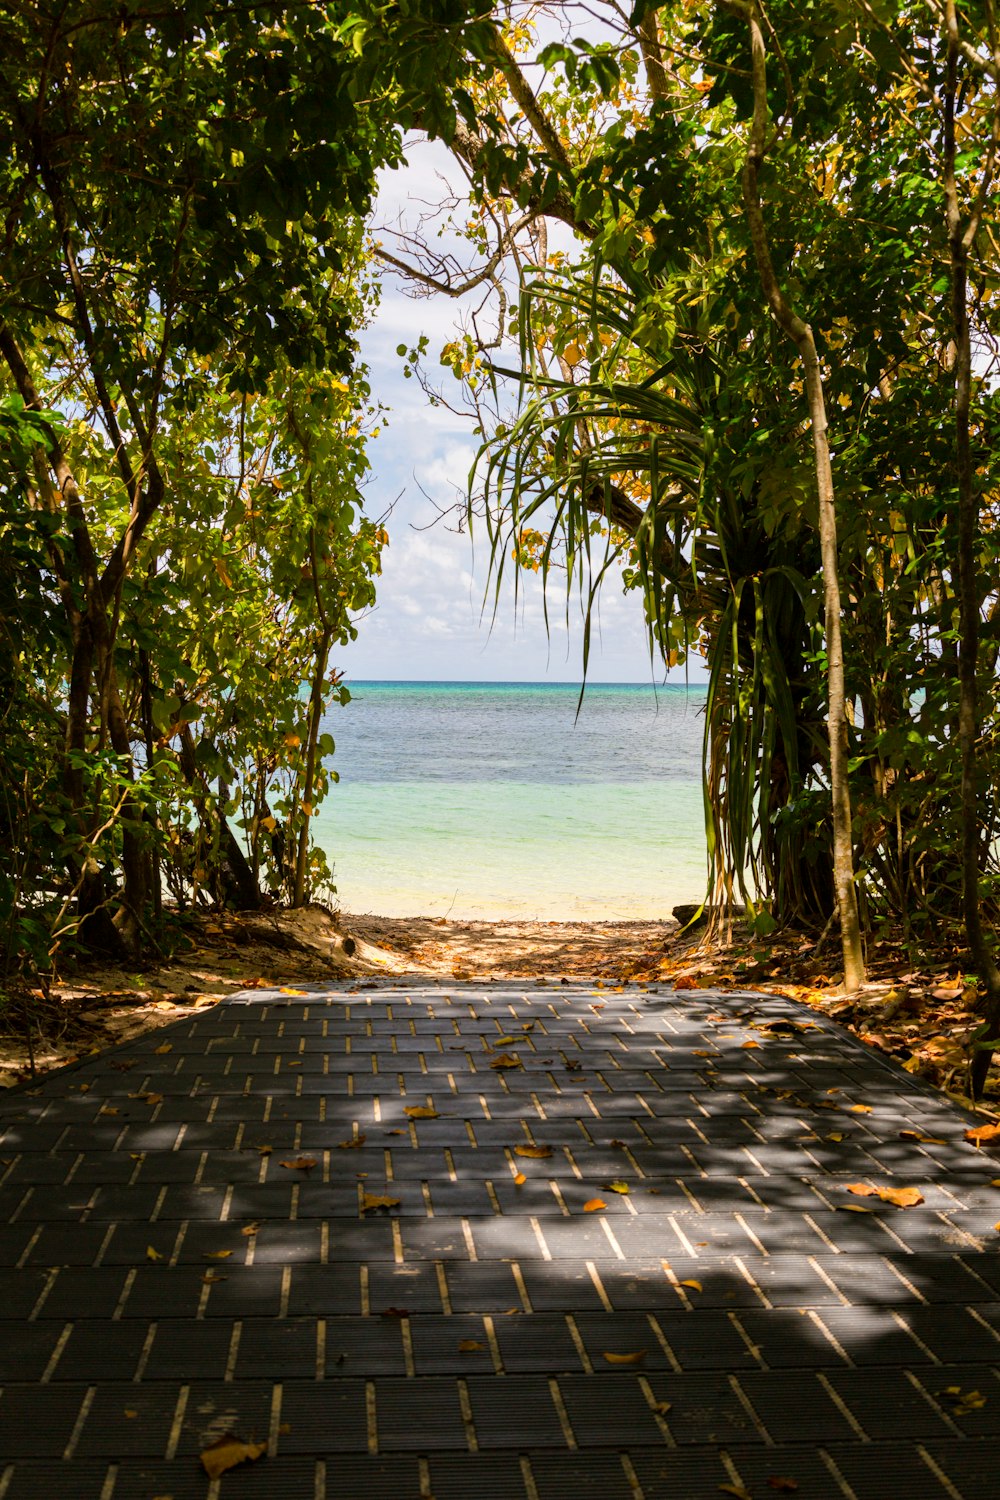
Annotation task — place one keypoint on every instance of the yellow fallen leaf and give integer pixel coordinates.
(593, 1204)
(853, 1208)
(353, 1143)
(510, 1041)
(980, 1133)
(745, 1046)
(420, 1112)
(695, 1286)
(836, 1135)
(626, 1359)
(107, 1109)
(905, 1197)
(370, 1201)
(519, 1179)
(211, 1277)
(264, 1150)
(618, 1186)
(469, 1346)
(152, 1254)
(284, 991)
(535, 1152)
(217, 1254)
(918, 1135)
(227, 1452)
(861, 1109)
(782, 1484)
(162, 1051)
(249, 1230)
(506, 1060)
(301, 1164)
(130, 1413)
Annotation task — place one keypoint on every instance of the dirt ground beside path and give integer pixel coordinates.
(917, 1008)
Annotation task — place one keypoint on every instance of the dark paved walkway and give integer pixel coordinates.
(171, 1274)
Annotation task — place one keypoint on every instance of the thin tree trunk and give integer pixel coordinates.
(315, 713)
(960, 238)
(802, 336)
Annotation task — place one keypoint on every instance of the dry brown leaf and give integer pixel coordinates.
(107, 1109)
(371, 1201)
(853, 1208)
(695, 1286)
(535, 1152)
(264, 1150)
(519, 1179)
(301, 1163)
(284, 991)
(593, 1205)
(635, 1358)
(130, 1412)
(684, 982)
(226, 1452)
(836, 1135)
(353, 1143)
(217, 1254)
(918, 1135)
(782, 1484)
(211, 1277)
(904, 1197)
(164, 1049)
(506, 1060)
(249, 1230)
(421, 1112)
(469, 1346)
(980, 1133)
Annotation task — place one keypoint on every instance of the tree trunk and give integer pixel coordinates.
(315, 712)
(802, 336)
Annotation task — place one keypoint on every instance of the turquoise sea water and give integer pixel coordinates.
(496, 800)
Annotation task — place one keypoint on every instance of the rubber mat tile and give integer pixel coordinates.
(244, 1292)
(285, 1244)
(444, 1345)
(350, 1242)
(620, 1334)
(290, 1477)
(630, 1286)
(14, 1239)
(868, 1278)
(856, 1233)
(25, 1350)
(194, 1201)
(217, 1407)
(951, 1384)
(791, 1281)
(452, 1199)
(579, 1477)
(414, 1287)
(185, 1349)
(323, 1417)
(276, 1349)
(887, 1404)
(485, 1287)
(364, 1347)
(871, 1336)
(163, 1291)
(790, 1404)
(787, 1338)
(534, 1196)
(607, 1412)
(101, 1351)
(897, 1471)
(19, 1291)
(566, 1239)
(516, 1412)
(951, 1334)
(47, 1204)
(705, 1340)
(30, 1481)
(971, 1467)
(129, 1420)
(721, 1283)
(65, 1244)
(704, 1409)
(655, 1235)
(946, 1278)
(537, 1343)
(434, 1239)
(326, 1291)
(382, 1478)
(128, 1244)
(32, 1169)
(429, 1406)
(760, 1468)
(491, 1476)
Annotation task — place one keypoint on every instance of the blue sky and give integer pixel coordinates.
(429, 621)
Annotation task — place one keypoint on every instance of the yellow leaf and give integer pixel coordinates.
(627, 1359)
(162, 1051)
(152, 1254)
(836, 1135)
(421, 1112)
(301, 1164)
(520, 1179)
(227, 1452)
(861, 1109)
(130, 1413)
(918, 1135)
(853, 1208)
(506, 1060)
(980, 1133)
(572, 354)
(533, 1151)
(695, 1286)
(906, 1197)
(217, 1254)
(292, 740)
(211, 1277)
(370, 1201)
(249, 1230)
(618, 1186)
(264, 1150)
(745, 1046)
(593, 1204)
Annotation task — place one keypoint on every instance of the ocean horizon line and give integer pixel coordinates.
(509, 682)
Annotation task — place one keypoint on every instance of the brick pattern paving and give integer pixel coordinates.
(167, 1277)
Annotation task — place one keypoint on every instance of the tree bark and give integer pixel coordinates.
(801, 335)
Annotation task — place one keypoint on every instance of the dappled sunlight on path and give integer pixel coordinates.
(460, 1240)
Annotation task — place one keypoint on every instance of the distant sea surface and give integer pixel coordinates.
(484, 800)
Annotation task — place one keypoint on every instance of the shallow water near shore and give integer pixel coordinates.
(495, 800)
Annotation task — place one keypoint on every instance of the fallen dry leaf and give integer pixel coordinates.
(164, 1049)
(781, 1484)
(301, 1163)
(395, 1312)
(372, 1201)
(264, 1150)
(506, 1060)
(211, 1277)
(905, 1197)
(695, 1286)
(745, 1046)
(853, 1208)
(918, 1135)
(980, 1133)
(662, 1407)
(227, 1452)
(284, 991)
(249, 1230)
(152, 1254)
(535, 1152)
(353, 1143)
(519, 1179)
(130, 1412)
(469, 1346)
(420, 1112)
(593, 1205)
(635, 1358)
(618, 1186)
(217, 1254)
(861, 1109)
